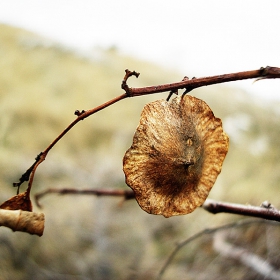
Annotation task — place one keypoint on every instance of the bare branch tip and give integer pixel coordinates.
(268, 72)
(128, 74)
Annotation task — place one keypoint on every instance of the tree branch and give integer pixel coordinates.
(188, 85)
(262, 73)
(265, 211)
(30, 172)
(126, 194)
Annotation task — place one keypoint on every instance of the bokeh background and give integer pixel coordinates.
(46, 74)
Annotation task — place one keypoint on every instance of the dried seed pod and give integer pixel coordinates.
(177, 153)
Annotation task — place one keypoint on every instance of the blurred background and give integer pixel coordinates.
(60, 56)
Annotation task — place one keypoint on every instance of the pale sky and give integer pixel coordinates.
(198, 38)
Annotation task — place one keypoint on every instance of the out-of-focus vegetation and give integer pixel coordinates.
(86, 237)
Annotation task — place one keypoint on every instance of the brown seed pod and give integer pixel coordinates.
(177, 153)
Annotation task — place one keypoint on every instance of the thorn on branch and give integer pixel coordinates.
(128, 74)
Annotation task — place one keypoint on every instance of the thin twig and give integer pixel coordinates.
(264, 212)
(180, 245)
(30, 172)
(188, 85)
(262, 73)
(126, 194)
(214, 207)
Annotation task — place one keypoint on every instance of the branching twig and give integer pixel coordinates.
(30, 172)
(262, 73)
(180, 245)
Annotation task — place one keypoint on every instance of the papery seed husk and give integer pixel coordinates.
(177, 153)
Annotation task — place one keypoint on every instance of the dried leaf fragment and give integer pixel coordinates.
(16, 214)
(25, 221)
(177, 153)
(18, 202)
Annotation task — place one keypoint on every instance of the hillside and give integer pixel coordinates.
(41, 85)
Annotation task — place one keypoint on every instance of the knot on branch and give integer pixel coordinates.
(128, 74)
(269, 73)
(78, 113)
(26, 175)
